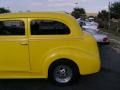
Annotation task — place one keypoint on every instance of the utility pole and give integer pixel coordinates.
(109, 15)
(76, 4)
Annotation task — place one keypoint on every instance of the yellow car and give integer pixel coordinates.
(45, 45)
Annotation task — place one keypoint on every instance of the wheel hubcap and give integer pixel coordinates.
(63, 74)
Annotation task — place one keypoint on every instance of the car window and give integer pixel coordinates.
(48, 27)
(12, 27)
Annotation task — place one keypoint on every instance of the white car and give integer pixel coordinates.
(94, 28)
(90, 25)
(100, 38)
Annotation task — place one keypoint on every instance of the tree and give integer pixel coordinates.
(102, 19)
(115, 10)
(103, 15)
(79, 13)
(4, 10)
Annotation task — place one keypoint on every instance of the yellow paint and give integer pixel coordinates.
(30, 56)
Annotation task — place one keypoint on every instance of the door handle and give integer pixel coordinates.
(24, 42)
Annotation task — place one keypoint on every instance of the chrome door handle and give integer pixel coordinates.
(24, 42)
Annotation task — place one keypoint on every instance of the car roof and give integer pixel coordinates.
(33, 14)
(61, 16)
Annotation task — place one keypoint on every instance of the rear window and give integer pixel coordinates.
(48, 27)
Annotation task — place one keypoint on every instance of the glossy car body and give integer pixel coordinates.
(30, 56)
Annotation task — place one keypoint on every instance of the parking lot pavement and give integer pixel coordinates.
(107, 79)
(110, 59)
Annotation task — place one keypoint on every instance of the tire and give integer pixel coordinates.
(63, 72)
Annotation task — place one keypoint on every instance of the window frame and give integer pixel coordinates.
(49, 19)
(16, 19)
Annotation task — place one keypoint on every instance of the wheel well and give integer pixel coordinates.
(72, 63)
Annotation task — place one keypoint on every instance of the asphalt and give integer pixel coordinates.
(107, 79)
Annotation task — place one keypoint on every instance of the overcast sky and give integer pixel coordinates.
(54, 5)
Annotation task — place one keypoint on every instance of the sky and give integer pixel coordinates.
(91, 6)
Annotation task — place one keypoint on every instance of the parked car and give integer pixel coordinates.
(90, 25)
(45, 45)
(100, 38)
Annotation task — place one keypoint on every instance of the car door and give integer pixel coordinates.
(14, 45)
(45, 34)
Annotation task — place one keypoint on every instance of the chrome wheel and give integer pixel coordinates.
(63, 74)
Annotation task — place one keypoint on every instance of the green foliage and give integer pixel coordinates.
(102, 19)
(79, 13)
(103, 15)
(4, 10)
(115, 10)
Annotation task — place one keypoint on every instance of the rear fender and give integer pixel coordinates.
(78, 56)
